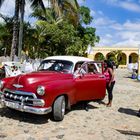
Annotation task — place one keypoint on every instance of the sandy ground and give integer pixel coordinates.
(101, 123)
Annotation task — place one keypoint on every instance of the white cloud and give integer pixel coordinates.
(103, 21)
(81, 2)
(111, 32)
(128, 35)
(9, 5)
(135, 26)
(128, 43)
(92, 13)
(109, 36)
(130, 5)
(100, 12)
(105, 41)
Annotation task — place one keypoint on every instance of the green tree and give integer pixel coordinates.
(58, 39)
(6, 34)
(55, 29)
(59, 10)
(115, 56)
(15, 28)
(86, 33)
(19, 6)
(85, 16)
(34, 4)
(49, 15)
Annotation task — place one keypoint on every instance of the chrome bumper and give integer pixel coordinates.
(24, 108)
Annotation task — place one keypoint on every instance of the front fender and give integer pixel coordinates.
(58, 88)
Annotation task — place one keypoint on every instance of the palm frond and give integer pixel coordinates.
(1, 2)
(37, 3)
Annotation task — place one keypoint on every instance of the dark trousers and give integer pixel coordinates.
(109, 90)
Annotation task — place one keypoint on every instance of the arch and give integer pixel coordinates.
(99, 56)
(133, 58)
(122, 59)
(110, 56)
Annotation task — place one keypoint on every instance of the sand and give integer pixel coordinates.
(118, 122)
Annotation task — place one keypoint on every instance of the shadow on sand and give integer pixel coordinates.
(128, 111)
(125, 132)
(82, 106)
(24, 117)
(38, 119)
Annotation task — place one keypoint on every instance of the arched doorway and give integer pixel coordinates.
(133, 58)
(110, 56)
(99, 56)
(122, 59)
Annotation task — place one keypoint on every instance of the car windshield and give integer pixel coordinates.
(56, 65)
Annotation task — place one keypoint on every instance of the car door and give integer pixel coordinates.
(91, 84)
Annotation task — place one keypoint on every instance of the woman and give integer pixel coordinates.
(110, 81)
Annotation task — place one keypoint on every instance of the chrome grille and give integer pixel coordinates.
(19, 97)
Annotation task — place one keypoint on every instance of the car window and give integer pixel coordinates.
(99, 67)
(92, 68)
(79, 68)
(56, 65)
(78, 65)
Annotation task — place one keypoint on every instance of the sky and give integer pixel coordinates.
(117, 22)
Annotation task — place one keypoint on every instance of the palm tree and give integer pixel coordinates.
(6, 34)
(49, 17)
(34, 4)
(20, 41)
(15, 30)
(19, 6)
(67, 9)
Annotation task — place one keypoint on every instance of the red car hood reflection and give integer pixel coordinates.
(31, 80)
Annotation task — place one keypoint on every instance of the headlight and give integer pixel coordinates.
(1, 84)
(40, 90)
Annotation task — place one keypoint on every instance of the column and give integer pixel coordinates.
(127, 59)
(138, 64)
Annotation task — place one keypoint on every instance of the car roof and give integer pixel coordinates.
(73, 59)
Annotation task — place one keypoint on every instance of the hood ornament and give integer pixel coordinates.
(18, 86)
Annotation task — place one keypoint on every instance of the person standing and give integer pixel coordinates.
(110, 81)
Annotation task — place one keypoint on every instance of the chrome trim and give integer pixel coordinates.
(18, 86)
(21, 97)
(21, 92)
(24, 108)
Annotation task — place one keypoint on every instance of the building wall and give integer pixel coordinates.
(130, 54)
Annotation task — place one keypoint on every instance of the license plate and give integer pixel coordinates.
(12, 105)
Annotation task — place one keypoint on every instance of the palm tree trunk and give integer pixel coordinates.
(15, 30)
(22, 6)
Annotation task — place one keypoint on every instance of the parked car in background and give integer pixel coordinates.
(55, 86)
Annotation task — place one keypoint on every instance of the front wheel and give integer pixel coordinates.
(59, 108)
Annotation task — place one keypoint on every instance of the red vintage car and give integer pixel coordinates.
(60, 82)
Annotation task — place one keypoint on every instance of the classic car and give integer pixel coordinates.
(55, 86)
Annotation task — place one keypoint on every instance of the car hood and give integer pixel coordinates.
(29, 81)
